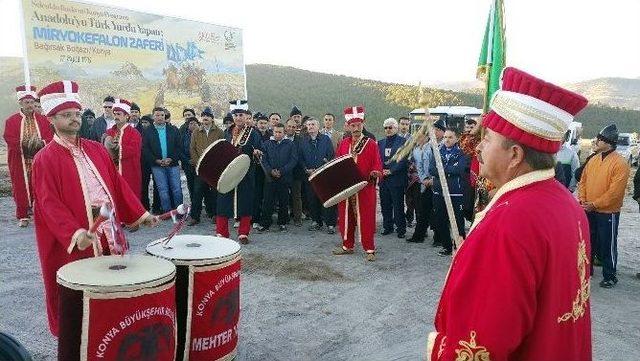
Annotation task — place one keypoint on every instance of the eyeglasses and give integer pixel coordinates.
(388, 127)
(107, 106)
(69, 115)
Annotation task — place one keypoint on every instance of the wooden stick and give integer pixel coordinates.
(445, 187)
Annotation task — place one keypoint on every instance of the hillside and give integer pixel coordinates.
(277, 88)
(616, 92)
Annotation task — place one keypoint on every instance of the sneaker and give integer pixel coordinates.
(263, 229)
(256, 226)
(338, 251)
(23, 223)
(315, 226)
(386, 232)
(236, 224)
(370, 257)
(243, 239)
(608, 283)
(283, 228)
(444, 253)
(332, 230)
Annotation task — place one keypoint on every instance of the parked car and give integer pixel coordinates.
(628, 147)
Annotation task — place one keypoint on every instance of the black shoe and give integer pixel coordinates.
(386, 232)
(401, 235)
(608, 283)
(444, 253)
(415, 240)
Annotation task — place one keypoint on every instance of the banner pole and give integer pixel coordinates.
(25, 57)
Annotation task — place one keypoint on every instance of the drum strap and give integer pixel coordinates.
(244, 137)
(359, 147)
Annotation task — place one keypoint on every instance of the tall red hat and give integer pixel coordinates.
(354, 114)
(532, 111)
(122, 105)
(59, 96)
(23, 93)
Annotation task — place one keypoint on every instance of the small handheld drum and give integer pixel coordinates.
(337, 180)
(117, 308)
(222, 165)
(207, 296)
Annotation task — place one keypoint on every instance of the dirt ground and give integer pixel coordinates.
(301, 303)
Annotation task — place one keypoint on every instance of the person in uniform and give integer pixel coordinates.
(72, 179)
(518, 287)
(124, 144)
(25, 132)
(238, 203)
(358, 213)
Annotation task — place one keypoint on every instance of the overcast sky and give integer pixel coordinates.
(410, 41)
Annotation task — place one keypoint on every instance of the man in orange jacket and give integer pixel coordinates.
(601, 192)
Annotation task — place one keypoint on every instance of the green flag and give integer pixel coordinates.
(492, 55)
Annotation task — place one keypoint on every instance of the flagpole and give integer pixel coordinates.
(489, 59)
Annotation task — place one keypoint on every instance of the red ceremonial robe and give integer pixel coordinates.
(518, 288)
(14, 134)
(362, 214)
(128, 164)
(62, 209)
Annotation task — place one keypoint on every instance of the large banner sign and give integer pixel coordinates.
(150, 59)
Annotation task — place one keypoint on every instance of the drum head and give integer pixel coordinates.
(233, 173)
(196, 250)
(116, 273)
(344, 194)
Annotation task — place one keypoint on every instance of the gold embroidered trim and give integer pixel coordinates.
(472, 352)
(516, 113)
(578, 307)
(244, 137)
(359, 147)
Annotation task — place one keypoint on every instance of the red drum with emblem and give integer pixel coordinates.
(222, 165)
(207, 294)
(117, 308)
(337, 180)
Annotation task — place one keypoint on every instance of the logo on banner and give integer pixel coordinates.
(147, 344)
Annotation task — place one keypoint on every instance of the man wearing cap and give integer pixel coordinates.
(239, 202)
(518, 287)
(601, 193)
(72, 179)
(201, 139)
(134, 118)
(105, 121)
(359, 211)
(25, 132)
(124, 144)
(394, 180)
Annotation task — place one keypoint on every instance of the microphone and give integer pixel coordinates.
(180, 210)
(105, 213)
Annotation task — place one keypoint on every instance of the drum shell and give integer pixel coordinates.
(81, 335)
(198, 277)
(215, 162)
(337, 180)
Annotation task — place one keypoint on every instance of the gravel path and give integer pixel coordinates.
(301, 303)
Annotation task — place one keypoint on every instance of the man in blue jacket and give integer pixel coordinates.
(315, 150)
(454, 162)
(394, 181)
(278, 160)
